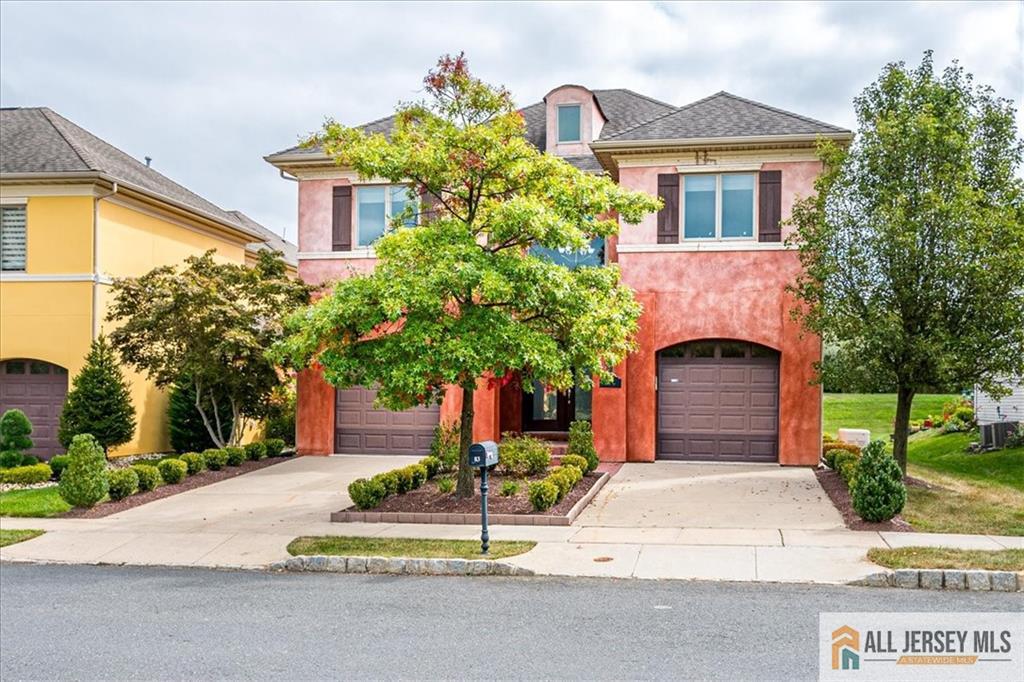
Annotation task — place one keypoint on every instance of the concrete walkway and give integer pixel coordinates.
(664, 520)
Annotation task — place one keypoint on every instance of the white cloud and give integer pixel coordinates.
(207, 89)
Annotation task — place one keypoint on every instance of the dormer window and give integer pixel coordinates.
(569, 123)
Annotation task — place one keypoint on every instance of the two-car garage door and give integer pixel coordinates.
(718, 400)
(361, 428)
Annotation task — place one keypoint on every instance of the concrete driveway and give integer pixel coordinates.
(698, 495)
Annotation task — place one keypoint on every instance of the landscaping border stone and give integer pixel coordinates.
(396, 566)
(474, 519)
(946, 579)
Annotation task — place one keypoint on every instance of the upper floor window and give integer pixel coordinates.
(12, 238)
(378, 205)
(569, 123)
(718, 206)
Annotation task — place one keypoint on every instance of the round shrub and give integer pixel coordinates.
(576, 461)
(388, 479)
(235, 456)
(543, 495)
(26, 475)
(879, 494)
(194, 461)
(433, 466)
(275, 447)
(366, 493)
(215, 459)
(419, 475)
(256, 451)
(839, 445)
(581, 443)
(830, 457)
(562, 478)
(29, 460)
(404, 476)
(84, 481)
(123, 482)
(509, 488)
(10, 458)
(846, 466)
(172, 470)
(522, 456)
(149, 476)
(59, 463)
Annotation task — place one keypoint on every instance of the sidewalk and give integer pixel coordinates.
(248, 521)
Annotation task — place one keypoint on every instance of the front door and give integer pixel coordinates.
(549, 410)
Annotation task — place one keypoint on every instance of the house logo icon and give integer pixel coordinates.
(845, 649)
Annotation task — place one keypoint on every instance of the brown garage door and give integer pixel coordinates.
(719, 401)
(38, 389)
(363, 429)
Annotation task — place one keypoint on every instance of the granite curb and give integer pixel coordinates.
(946, 579)
(396, 566)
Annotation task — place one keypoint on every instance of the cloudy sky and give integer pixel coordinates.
(208, 89)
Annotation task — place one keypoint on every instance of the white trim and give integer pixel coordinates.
(21, 192)
(356, 254)
(705, 245)
(720, 168)
(603, 145)
(56, 277)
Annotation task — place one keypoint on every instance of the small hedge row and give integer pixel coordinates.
(26, 475)
(873, 477)
(367, 493)
(12, 459)
(549, 491)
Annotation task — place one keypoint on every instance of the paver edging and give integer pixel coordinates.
(474, 519)
(396, 566)
(946, 579)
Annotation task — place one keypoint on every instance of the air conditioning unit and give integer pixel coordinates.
(994, 435)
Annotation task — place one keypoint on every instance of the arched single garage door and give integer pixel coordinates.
(38, 389)
(362, 429)
(718, 401)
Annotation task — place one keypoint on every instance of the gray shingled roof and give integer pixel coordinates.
(623, 108)
(39, 140)
(722, 115)
(271, 240)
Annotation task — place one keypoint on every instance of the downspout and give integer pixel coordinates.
(96, 261)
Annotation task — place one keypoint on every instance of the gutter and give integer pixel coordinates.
(96, 259)
(610, 145)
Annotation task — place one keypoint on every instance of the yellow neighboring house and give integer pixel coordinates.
(77, 213)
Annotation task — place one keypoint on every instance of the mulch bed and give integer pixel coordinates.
(837, 491)
(199, 480)
(428, 499)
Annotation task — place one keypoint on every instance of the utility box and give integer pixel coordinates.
(483, 454)
(858, 437)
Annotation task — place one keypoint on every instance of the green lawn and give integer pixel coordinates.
(875, 411)
(404, 547)
(947, 454)
(35, 502)
(938, 557)
(10, 537)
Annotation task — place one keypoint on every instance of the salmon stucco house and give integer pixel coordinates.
(722, 372)
(76, 213)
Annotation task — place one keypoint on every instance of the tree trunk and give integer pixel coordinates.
(901, 427)
(464, 486)
(214, 434)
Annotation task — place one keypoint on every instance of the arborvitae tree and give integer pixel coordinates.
(99, 402)
(187, 430)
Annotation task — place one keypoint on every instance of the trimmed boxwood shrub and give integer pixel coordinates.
(522, 456)
(366, 493)
(846, 467)
(215, 459)
(10, 459)
(59, 463)
(562, 478)
(404, 476)
(830, 457)
(543, 495)
(389, 479)
(123, 482)
(149, 476)
(173, 470)
(581, 444)
(29, 460)
(26, 475)
(84, 481)
(419, 475)
(274, 446)
(879, 494)
(433, 466)
(576, 461)
(839, 445)
(256, 451)
(235, 456)
(194, 461)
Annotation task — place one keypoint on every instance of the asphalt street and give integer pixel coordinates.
(96, 622)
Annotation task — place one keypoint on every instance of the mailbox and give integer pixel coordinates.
(483, 454)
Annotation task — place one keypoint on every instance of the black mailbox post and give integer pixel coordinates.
(483, 455)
